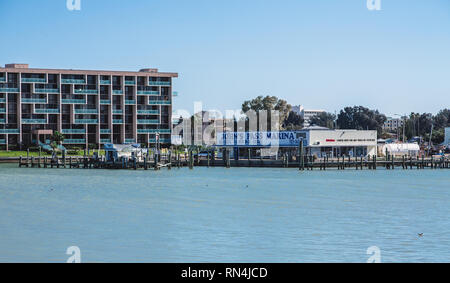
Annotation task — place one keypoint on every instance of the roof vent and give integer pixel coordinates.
(17, 66)
(148, 70)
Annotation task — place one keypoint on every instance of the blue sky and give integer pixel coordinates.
(322, 54)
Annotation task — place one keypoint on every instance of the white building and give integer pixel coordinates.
(306, 114)
(325, 142)
(447, 136)
(393, 124)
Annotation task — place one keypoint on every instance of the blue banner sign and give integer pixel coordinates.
(261, 139)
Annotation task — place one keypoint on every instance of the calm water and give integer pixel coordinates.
(210, 215)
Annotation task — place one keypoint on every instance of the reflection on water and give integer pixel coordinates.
(220, 215)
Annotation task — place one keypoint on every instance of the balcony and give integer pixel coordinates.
(2, 110)
(117, 121)
(105, 82)
(9, 89)
(73, 101)
(2, 100)
(46, 90)
(46, 111)
(153, 131)
(2, 79)
(86, 91)
(86, 121)
(120, 92)
(158, 83)
(105, 140)
(86, 111)
(34, 121)
(159, 102)
(148, 92)
(74, 141)
(147, 122)
(34, 100)
(2, 121)
(34, 80)
(73, 81)
(160, 140)
(148, 112)
(130, 102)
(130, 82)
(73, 131)
(105, 102)
(117, 111)
(2, 141)
(105, 131)
(9, 131)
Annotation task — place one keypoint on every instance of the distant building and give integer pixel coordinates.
(447, 136)
(393, 124)
(306, 114)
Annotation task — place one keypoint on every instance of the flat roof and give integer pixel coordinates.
(144, 72)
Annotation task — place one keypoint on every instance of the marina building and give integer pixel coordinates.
(318, 141)
(88, 107)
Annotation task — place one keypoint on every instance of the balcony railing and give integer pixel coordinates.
(2, 100)
(73, 81)
(86, 91)
(130, 82)
(148, 92)
(147, 122)
(9, 89)
(9, 131)
(160, 140)
(158, 83)
(159, 102)
(34, 100)
(117, 111)
(153, 131)
(74, 141)
(46, 90)
(105, 131)
(2, 121)
(148, 112)
(117, 121)
(2, 79)
(86, 121)
(105, 101)
(34, 121)
(105, 82)
(46, 111)
(2, 141)
(34, 80)
(86, 111)
(105, 140)
(73, 101)
(73, 131)
(130, 102)
(117, 91)
(2, 110)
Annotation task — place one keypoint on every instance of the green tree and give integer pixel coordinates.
(268, 103)
(323, 119)
(57, 139)
(293, 122)
(360, 118)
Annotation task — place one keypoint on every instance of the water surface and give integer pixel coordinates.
(223, 215)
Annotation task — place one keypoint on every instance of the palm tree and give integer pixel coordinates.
(57, 139)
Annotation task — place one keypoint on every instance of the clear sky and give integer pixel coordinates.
(324, 54)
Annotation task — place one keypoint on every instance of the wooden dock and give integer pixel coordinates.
(191, 160)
